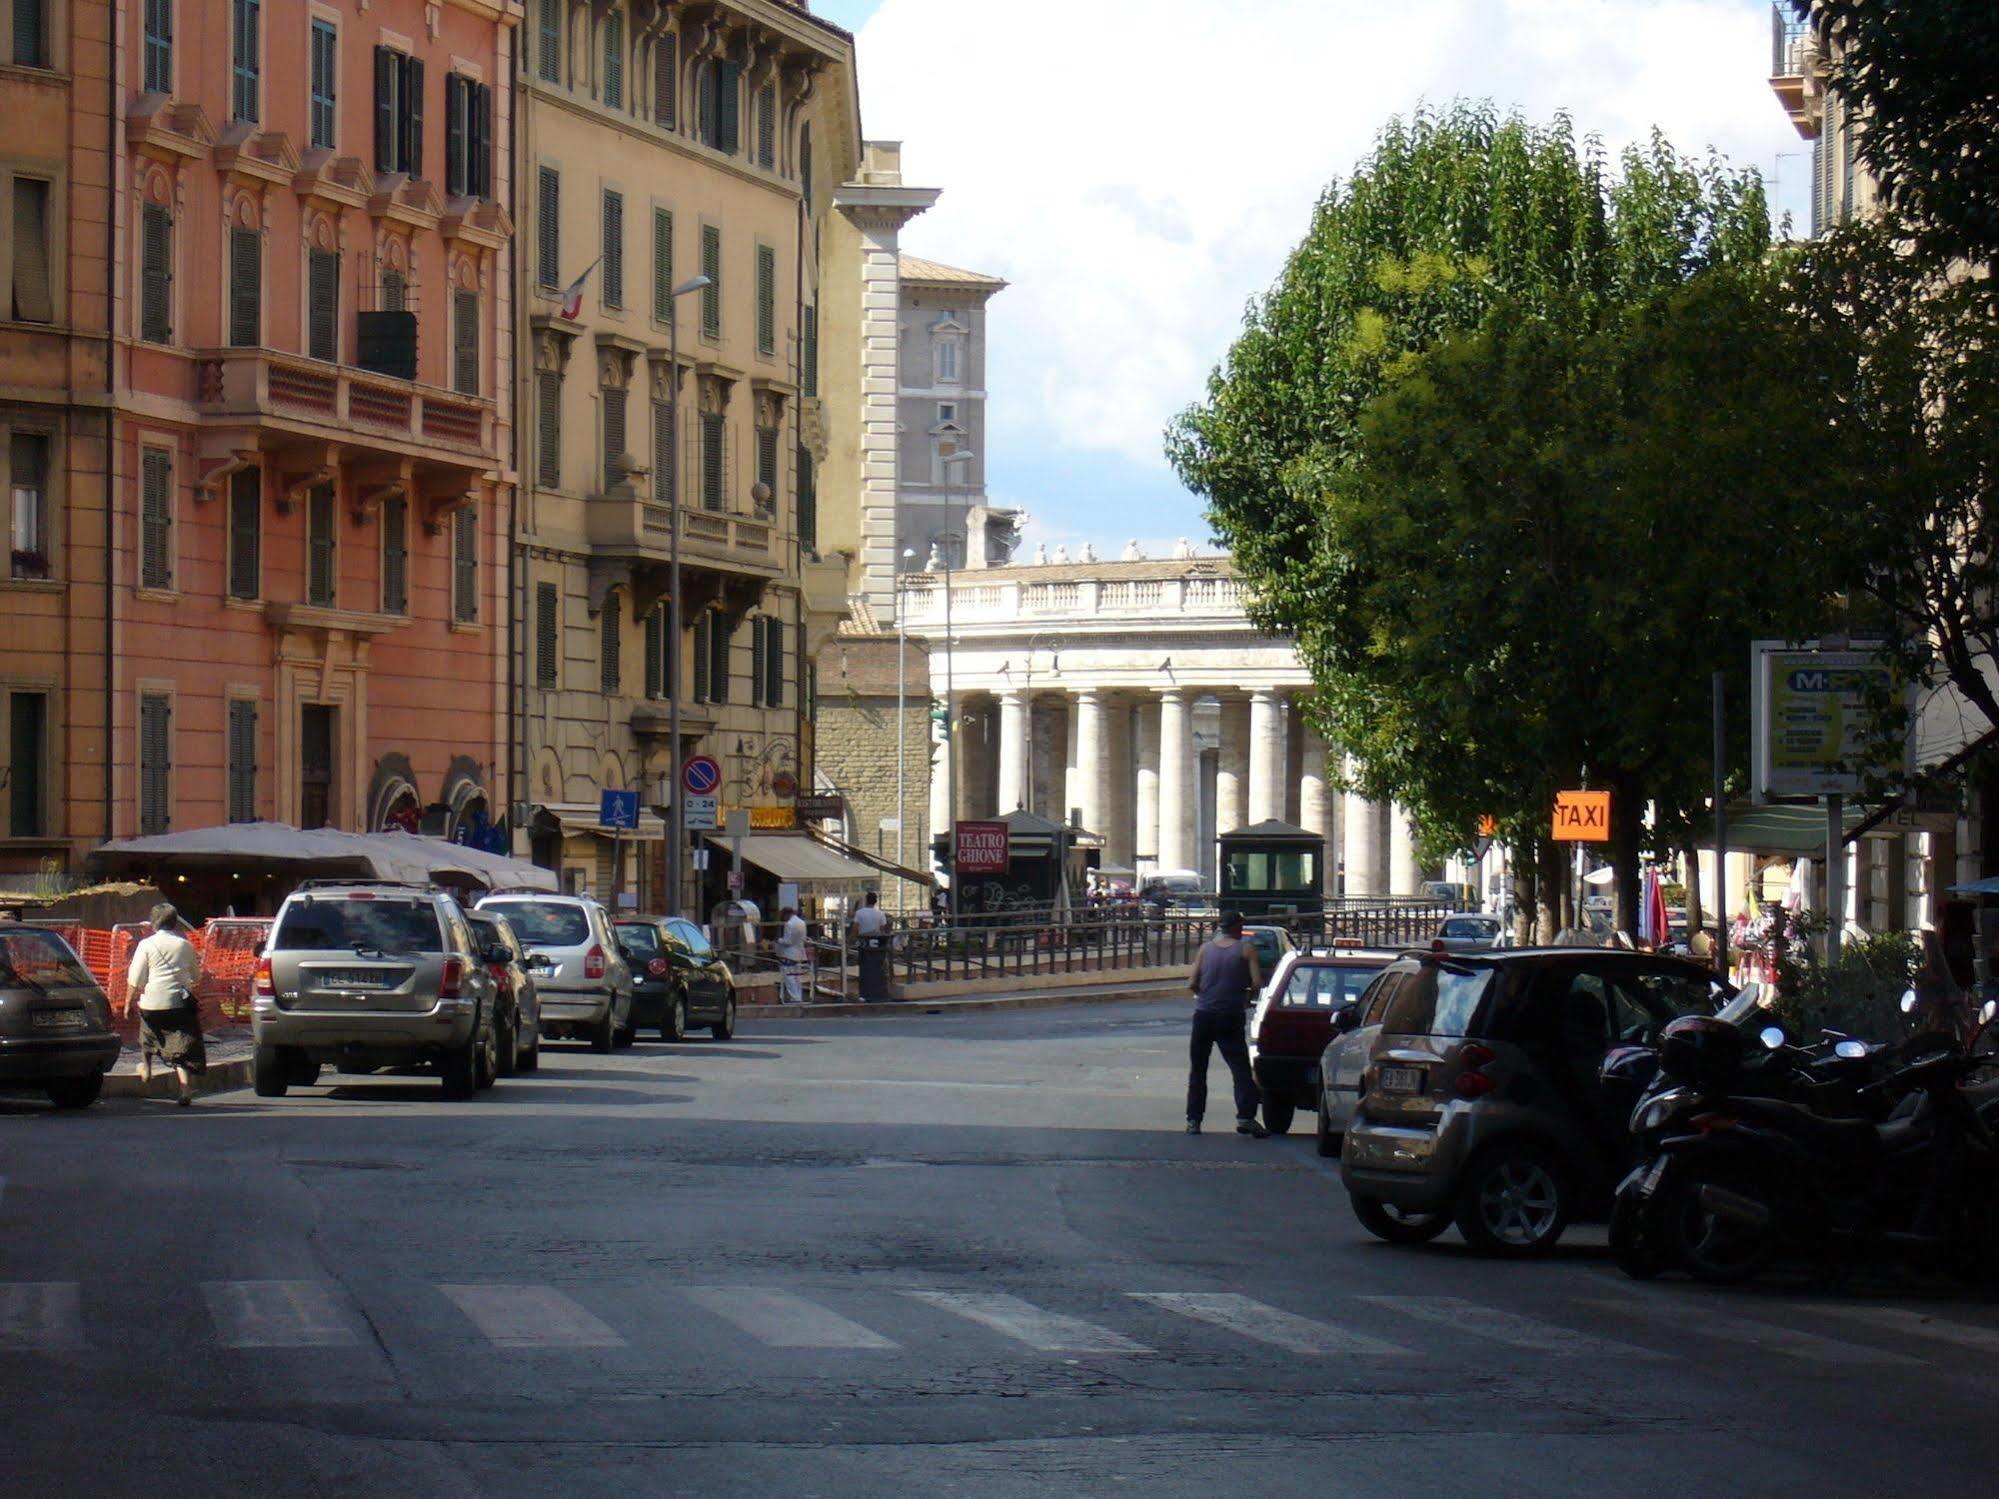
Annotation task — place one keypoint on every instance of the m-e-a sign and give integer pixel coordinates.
(981, 848)
(1582, 817)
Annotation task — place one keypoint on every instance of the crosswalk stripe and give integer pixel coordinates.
(1267, 1324)
(1760, 1335)
(40, 1314)
(276, 1314)
(1912, 1323)
(781, 1319)
(530, 1317)
(1044, 1331)
(1511, 1328)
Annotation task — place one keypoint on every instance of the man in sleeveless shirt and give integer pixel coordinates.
(1225, 982)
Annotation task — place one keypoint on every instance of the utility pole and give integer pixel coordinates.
(676, 833)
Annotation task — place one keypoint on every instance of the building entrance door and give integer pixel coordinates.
(315, 798)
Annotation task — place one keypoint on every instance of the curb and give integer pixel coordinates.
(221, 1077)
(888, 1007)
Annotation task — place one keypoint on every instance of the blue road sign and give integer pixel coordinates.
(700, 775)
(619, 809)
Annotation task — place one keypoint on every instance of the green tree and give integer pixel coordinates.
(1924, 77)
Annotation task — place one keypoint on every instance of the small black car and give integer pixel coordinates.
(678, 979)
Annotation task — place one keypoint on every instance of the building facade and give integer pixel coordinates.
(876, 747)
(663, 141)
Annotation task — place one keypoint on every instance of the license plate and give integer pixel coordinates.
(1400, 1080)
(61, 1020)
(350, 978)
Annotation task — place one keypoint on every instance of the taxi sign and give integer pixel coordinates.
(1582, 817)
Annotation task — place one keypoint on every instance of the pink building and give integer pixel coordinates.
(311, 452)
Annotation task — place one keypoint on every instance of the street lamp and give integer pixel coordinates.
(950, 680)
(677, 835)
(901, 733)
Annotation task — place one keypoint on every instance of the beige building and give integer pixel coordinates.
(661, 141)
(1842, 187)
(876, 746)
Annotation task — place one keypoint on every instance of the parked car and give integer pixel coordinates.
(520, 1002)
(1469, 933)
(1481, 1102)
(55, 1023)
(1272, 944)
(1355, 1029)
(368, 975)
(1293, 1020)
(1177, 892)
(579, 970)
(679, 980)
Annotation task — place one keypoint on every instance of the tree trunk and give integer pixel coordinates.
(1523, 896)
(1550, 889)
(1626, 813)
(1694, 913)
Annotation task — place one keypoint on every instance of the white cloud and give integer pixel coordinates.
(1138, 169)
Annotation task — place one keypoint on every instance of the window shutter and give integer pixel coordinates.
(323, 305)
(156, 274)
(808, 335)
(663, 473)
(662, 264)
(156, 519)
(395, 556)
(767, 126)
(465, 565)
(614, 249)
(548, 227)
(711, 267)
(246, 287)
(33, 300)
(242, 761)
(479, 159)
(767, 461)
(456, 134)
(713, 434)
(707, 90)
(412, 106)
(774, 664)
(808, 501)
(610, 643)
(720, 637)
(31, 47)
(665, 83)
(465, 342)
(766, 300)
(655, 640)
(155, 763)
(805, 166)
(321, 586)
(551, 40)
(395, 291)
(387, 76)
(703, 624)
(614, 61)
(247, 78)
(159, 46)
(246, 530)
(545, 635)
(614, 434)
(756, 662)
(325, 53)
(728, 107)
(548, 428)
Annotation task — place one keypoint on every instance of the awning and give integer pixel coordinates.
(797, 859)
(581, 817)
(323, 852)
(1781, 829)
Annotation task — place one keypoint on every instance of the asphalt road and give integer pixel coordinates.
(950, 1255)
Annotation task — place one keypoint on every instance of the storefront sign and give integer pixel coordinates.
(772, 819)
(1582, 817)
(981, 848)
(819, 808)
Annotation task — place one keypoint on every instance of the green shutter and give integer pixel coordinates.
(156, 519)
(655, 631)
(614, 435)
(711, 267)
(456, 132)
(395, 556)
(767, 462)
(611, 645)
(614, 61)
(767, 126)
(465, 342)
(703, 624)
(246, 287)
(548, 228)
(551, 40)
(614, 249)
(665, 83)
(808, 501)
(546, 636)
(322, 585)
(728, 106)
(713, 434)
(808, 354)
(465, 565)
(156, 274)
(246, 528)
(720, 637)
(323, 305)
(242, 761)
(757, 662)
(662, 264)
(664, 476)
(155, 764)
(774, 663)
(766, 300)
(548, 428)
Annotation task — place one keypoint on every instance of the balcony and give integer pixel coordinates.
(1794, 63)
(731, 557)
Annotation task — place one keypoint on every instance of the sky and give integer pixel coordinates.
(1138, 170)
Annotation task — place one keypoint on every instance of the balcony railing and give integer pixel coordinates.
(1790, 42)
(1131, 598)
(263, 382)
(629, 527)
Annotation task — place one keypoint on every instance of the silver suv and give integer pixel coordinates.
(367, 975)
(579, 968)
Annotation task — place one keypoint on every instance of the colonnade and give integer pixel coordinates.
(1161, 773)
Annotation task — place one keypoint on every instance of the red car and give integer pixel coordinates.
(1293, 1022)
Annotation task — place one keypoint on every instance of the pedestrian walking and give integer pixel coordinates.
(1226, 977)
(160, 986)
(791, 955)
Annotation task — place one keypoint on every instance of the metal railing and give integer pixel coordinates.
(1790, 42)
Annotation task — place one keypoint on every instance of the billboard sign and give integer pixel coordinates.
(980, 848)
(1813, 716)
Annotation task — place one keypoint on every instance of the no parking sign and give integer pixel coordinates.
(700, 775)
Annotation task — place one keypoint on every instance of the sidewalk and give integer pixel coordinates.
(228, 1068)
(1048, 999)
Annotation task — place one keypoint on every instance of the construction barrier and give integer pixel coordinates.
(229, 947)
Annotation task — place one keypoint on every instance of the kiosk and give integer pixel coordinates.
(1273, 871)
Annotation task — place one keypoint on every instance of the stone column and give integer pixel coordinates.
(1070, 788)
(1295, 736)
(1145, 839)
(1366, 872)
(1176, 780)
(1088, 756)
(1266, 756)
(1315, 807)
(1012, 751)
(1117, 828)
(1405, 875)
(940, 779)
(1232, 766)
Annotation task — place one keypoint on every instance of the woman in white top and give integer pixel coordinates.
(160, 985)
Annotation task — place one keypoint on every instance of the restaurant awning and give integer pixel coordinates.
(328, 853)
(581, 817)
(1785, 830)
(796, 859)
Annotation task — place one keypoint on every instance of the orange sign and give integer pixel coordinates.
(1582, 817)
(1488, 827)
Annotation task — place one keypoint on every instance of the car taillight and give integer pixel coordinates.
(593, 963)
(453, 980)
(656, 967)
(1473, 1080)
(266, 986)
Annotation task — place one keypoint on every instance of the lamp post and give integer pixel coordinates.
(950, 681)
(901, 733)
(677, 833)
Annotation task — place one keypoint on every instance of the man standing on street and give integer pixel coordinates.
(791, 940)
(1226, 978)
(871, 918)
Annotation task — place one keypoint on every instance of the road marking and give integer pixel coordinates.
(1915, 1324)
(1507, 1327)
(1760, 1335)
(783, 1320)
(1266, 1324)
(277, 1314)
(531, 1317)
(1046, 1332)
(40, 1314)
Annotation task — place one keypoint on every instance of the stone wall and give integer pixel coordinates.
(856, 741)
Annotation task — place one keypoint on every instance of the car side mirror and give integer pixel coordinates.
(1346, 1019)
(1908, 1001)
(495, 953)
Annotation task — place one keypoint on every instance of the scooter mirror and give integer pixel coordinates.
(1772, 1037)
(1908, 1001)
(1987, 1011)
(1851, 1051)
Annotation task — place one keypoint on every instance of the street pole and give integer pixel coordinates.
(901, 734)
(950, 675)
(676, 835)
(1835, 875)
(1721, 913)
